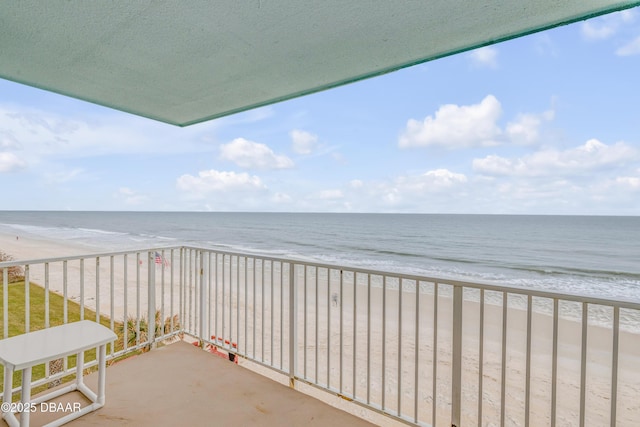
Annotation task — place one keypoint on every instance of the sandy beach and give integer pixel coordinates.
(350, 346)
(90, 280)
(346, 328)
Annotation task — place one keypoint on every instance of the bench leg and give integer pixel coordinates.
(8, 383)
(102, 368)
(79, 368)
(26, 396)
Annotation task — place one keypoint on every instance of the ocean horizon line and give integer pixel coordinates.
(327, 213)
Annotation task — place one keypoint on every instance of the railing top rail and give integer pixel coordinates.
(14, 263)
(512, 289)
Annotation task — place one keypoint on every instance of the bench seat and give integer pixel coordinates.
(25, 351)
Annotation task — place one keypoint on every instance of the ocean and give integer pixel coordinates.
(591, 255)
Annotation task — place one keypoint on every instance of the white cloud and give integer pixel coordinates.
(444, 178)
(591, 156)
(594, 31)
(8, 141)
(627, 16)
(303, 142)
(216, 181)
(356, 183)
(9, 162)
(544, 45)
(613, 25)
(431, 181)
(131, 197)
(331, 194)
(391, 196)
(485, 57)
(430, 191)
(456, 126)
(42, 135)
(606, 26)
(629, 181)
(525, 129)
(280, 198)
(253, 155)
(631, 48)
(594, 191)
(338, 157)
(473, 126)
(496, 165)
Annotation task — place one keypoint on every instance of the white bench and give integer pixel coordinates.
(23, 352)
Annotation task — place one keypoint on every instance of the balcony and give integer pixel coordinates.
(182, 385)
(386, 346)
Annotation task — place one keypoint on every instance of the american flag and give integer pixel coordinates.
(159, 259)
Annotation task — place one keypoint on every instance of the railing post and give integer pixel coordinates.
(456, 355)
(151, 299)
(27, 308)
(5, 302)
(203, 305)
(181, 284)
(292, 325)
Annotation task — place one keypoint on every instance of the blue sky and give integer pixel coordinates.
(545, 124)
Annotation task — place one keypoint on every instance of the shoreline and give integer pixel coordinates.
(24, 247)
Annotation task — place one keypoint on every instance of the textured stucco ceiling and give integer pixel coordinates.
(190, 61)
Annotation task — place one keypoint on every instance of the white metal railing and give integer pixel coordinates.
(421, 350)
(112, 288)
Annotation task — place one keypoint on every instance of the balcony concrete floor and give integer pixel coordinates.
(180, 384)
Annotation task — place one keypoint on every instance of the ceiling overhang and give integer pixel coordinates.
(191, 61)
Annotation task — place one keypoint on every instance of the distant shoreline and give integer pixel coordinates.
(26, 247)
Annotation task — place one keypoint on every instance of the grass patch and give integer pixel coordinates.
(37, 313)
